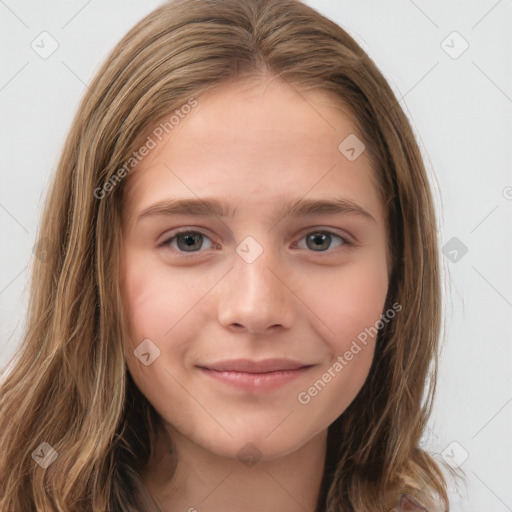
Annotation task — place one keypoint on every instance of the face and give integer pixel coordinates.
(246, 316)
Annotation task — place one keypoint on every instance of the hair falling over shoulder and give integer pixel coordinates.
(76, 432)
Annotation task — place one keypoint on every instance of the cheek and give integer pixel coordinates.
(157, 305)
(156, 299)
(350, 300)
(350, 304)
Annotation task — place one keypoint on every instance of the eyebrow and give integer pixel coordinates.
(215, 207)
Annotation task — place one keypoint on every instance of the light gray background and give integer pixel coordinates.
(461, 110)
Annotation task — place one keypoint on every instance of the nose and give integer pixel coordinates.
(257, 296)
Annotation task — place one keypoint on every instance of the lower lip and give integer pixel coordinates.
(256, 381)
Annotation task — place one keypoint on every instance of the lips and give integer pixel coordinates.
(249, 366)
(255, 376)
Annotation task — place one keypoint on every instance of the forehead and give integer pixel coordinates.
(255, 141)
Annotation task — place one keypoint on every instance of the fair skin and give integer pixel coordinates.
(304, 299)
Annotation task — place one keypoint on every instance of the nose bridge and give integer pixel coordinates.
(254, 294)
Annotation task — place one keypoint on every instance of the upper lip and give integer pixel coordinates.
(249, 366)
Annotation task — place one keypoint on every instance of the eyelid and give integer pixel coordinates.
(166, 242)
(341, 233)
(346, 241)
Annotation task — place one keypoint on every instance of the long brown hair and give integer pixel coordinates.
(69, 386)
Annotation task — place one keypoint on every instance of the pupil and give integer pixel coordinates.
(190, 240)
(318, 237)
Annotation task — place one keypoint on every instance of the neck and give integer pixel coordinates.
(189, 478)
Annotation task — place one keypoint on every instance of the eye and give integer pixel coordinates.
(321, 241)
(189, 241)
(186, 241)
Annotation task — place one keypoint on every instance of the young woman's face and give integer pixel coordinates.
(248, 327)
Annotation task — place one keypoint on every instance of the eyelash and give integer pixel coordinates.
(166, 243)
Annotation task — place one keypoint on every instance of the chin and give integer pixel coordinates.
(250, 445)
